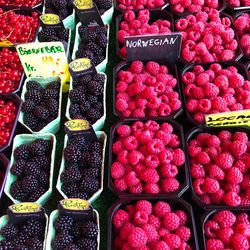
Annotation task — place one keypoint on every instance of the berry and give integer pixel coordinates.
(137, 237)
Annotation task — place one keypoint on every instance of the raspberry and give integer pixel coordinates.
(239, 241)
(170, 185)
(172, 240)
(122, 157)
(131, 179)
(225, 235)
(184, 233)
(154, 221)
(123, 130)
(211, 228)
(151, 232)
(161, 245)
(137, 238)
(151, 188)
(121, 105)
(182, 216)
(225, 218)
(155, 147)
(161, 208)
(120, 184)
(178, 157)
(216, 172)
(120, 218)
(136, 67)
(137, 189)
(203, 158)
(213, 244)
(168, 171)
(224, 160)
(232, 199)
(171, 221)
(197, 171)
(150, 176)
(125, 231)
(234, 176)
(141, 217)
(144, 206)
(238, 148)
(135, 157)
(211, 185)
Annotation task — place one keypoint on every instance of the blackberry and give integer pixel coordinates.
(104, 4)
(28, 106)
(93, 114)
(84, 54)
(17, 192)
(76, 229)
(20, 240)
(49, 11)
(93, 47)
(79, 117)
(36, 194)
(98, 59)
(90, 229)
(56, 85)
(31, 168)
(86, 34)
(64, 223)
(99, 78)
(41, 125)
(46, 34)
(30, 121)
(41, 113)
(86, 243)
(98, 106)
(95, 87)
(43, 179)
(71, 175)
(50, 93)
(70, 188)
(72, 247)
(92, 99)
(86, 79)
(9, 231)
(53, 106)
(96, 147)
(29, 184)
(64, 34)
(85, 158)
(35, 243)
(39, 147)
(71, 165)
(95, 159)
(34, 95)
(43, 162)
(90, 172)
(90, 185)
(59, 4)
(84, 106)
(53, 39)
(72, 154)
(33, 85)
(80, 142)
(74, 109)
(76, 95)
(102, 40)
(101, 30)
(22, 152)
(63, 13)
(6, 245)
(33, 228)
(80, 195)
(18, 167)
(61, 241)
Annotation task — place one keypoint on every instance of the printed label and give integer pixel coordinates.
(81, 67)
(25, 207)
(83, 4)
(77, 125)
(50, 19)
(75, 204)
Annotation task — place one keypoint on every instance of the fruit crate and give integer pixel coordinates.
(98, 125)
(182, 175)
(194, 132)
(241, 69)
(172, 70)
(4, 170)
(233, 9)
(175, 203)
(100, 67)
(27, 139)
(102, 137)
(52, 232)
(53, 126)
(18, 102)
(12, 6)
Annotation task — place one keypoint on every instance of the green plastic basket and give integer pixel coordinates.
(4, 221)
(54, 126)
(108, 15)
(27, 139)
(98, 125)
(52, 232)
(100, 67)
(101, 136)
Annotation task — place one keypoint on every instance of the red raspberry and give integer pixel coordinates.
(238, 148)
(136, 67)
(178, 157)
(154, 221)
(224, 160)
(117, 170)
(168, 171)
(163, 136)
(232, 187)
(218, 103)
(135, 157)
(203, 158)
(152, 68)
(117, 147)
(211, 185)
(120, 184)
(170, 185)
(239, 241)
(216, 172)
(151, 188)
(197, 171)
(211, 90)
(225, 218)
(121, 105)
(242, 218)
(137, 189)
(150, 232)
(182, 216)
(243, 229)
(217, 198)
(120, 218)
(140, 217)
(232, 199)
(171, 221)
(155, 147)
(131, 179)
(204, 105)
(166, 156)
(225, 235)
(137, 238)
(150, 176)
(161, 208)
(125, 231)
(234, 176)
(211, 228)
(160, 245)
(172, 240)
(124, 130)
(152, 161)
(198, 185)
(131, 143)
(240, 136)
(213, 244)
(184, 233)
(144, 205)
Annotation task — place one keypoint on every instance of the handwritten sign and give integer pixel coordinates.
(75, 204)
(25, 207)
(45, 60)
(81, 67)
(155, 47)
(235, 118)
(77, 125)
(83, 4)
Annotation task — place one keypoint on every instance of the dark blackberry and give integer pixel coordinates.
(79, 117)
(18, 167)
(103, 4)
(86, 34)
(43, 179)
(61, 241)
(53, 106)
(80, 142)
(70, 188)
(85, 158)
(41, 113)
(101, 30)
(49, 11)
(22, 152)
(85, 54)
(56, 85)
(64, 34)
(30, 121)
(76, 95)
(89, 229)
(74, 109)
(90, 185)
(33, 228)
(98, 59)
(92, 99)
(6, 245)
(86, 243)
(59, 4)
(28, 106)
(84, 106)
(86, 79)
(46, 34)
(53, 39)
(29, 184)
(95, 159)
(9, 231)
(31, 168)
(99, 78)
(36, 194)
(35, 243)
(72, 247)
(71, 175)
(20, 240)
(63, 13)
(17, 192)
(90, 172)
(96, 87)
(96, 147)
(33, 85)
(41, 125)
(93, 114)
(102, 40)
(71, 165)
(39, 147)
(34, 95)
(51, 94)
(93, 47)
(80, 195)
(98, 106)
(76, 229)
(64, 223)
(43, 162)
(72, 154)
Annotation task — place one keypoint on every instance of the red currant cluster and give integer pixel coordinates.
(144, 226)
(219, 166)
(146, 90)
(194, 6)
(238, 3)
(20, 3)
(215, 90)
(140, 25)
(207, 37)
(139, 4)
(147, 158)
(8, 112)
(226, 230)
(18, 28)
(10, 71)
(242, 25)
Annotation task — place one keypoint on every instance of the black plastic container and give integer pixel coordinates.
(18, 102)
(172, 70)
(4, 168)
(154, 16)
(182, 174)
(175, 203)
(248, 68)
(230, 7)
(194, 132)
(209, 214)
(238, 51)
(241, 69)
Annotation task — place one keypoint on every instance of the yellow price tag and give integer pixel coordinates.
(77, 125)
(5, 43)
(80, 64)
(50, 19)
(75, 204)
(84, 4)
(25, 207)
(227, 119)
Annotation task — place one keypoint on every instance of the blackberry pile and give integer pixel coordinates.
(32, 169)
(54, 35)
(64, 8)
(27, 235)
(93, 43)
(87, 98)
(41, 105)
(83, 161)
(75, 234)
